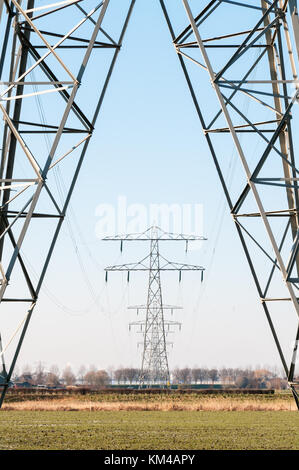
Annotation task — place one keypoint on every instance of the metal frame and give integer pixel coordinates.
(233, 79)
(154, 328)
(21, 39)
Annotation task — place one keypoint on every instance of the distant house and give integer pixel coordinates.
(22, 384)
(24, 381)
(277, 383)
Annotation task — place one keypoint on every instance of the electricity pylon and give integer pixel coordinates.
(245, 50)
(154, 328)
(50, 98)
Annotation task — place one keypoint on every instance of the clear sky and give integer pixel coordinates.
(149, 148)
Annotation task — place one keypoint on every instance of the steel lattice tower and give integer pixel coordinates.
(50, 98)
(154, 328)
(154, 357)
(245, 50)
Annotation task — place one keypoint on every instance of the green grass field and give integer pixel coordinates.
(171, 430)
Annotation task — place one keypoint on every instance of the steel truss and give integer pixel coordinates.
(245, 50)
(155, 327)
(49, 90)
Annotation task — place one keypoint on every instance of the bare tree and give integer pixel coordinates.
(186, 375)
(102, 378)
(68, 376)
(199, 374)
(196, 373)
(90, 378)
(230, 375)
(131, 374)
(27, 370)
(81, 374)
(241, 381)
(110, 372)
(176, 375)
(96, 378)
(182, 375)
(119, 375)
(213, 375)
(53, 376)
(39, 374)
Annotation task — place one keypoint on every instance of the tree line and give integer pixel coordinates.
(94, 377)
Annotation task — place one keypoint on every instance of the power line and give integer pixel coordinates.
(155, 328)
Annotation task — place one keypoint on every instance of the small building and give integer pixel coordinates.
(22, 385)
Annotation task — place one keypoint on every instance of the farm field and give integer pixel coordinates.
(154, 430)
(131, 421)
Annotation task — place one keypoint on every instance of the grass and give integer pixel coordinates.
(150, 402)
(154, 430)
(208, 404)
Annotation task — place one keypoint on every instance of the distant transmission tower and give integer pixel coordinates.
(154, 365)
